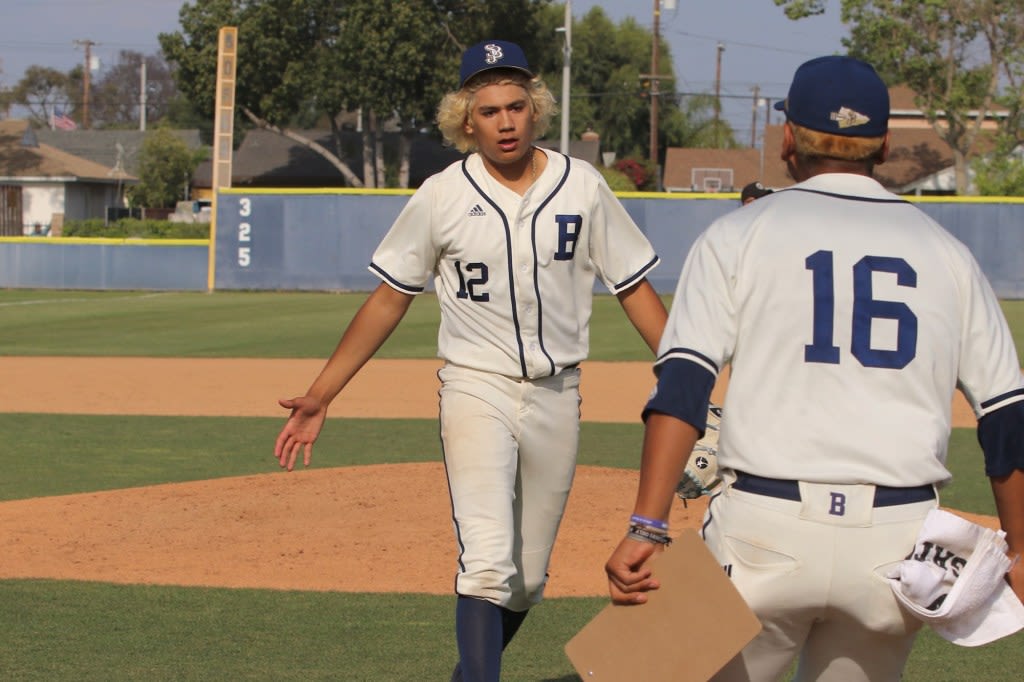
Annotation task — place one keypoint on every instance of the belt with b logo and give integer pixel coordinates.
(885, 496)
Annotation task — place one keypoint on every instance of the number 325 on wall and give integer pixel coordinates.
(244, 232)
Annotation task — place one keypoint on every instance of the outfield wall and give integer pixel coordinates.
(322, 240)
(121, 264)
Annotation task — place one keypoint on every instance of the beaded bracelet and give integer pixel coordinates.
(644, 534)
(650, 523)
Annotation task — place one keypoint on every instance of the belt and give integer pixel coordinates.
(885, 496)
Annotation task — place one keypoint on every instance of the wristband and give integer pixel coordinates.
(650, 523)
(644, 534)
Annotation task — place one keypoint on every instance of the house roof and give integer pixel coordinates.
(914, 154)
(43, 161)
(268, 159)
(904, 110)
(107, 147)
(686, 168)
(589, 150)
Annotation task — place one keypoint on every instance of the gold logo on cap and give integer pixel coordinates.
(848, 118)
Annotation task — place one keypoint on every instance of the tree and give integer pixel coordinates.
(165, 169)
(610, 94)
(1001, 173)
(115, 97)
(798, 9)
(42, 91)
(963, 59)
(392, 60)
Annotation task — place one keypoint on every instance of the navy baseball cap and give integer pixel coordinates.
(492, 54)
(755, 190)
(838, 95)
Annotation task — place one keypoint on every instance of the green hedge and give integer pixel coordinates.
(617, 180)
(132, 228)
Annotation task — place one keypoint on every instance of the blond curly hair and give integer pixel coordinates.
(453, 112)
(814, 144)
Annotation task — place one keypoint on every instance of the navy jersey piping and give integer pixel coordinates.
(508, 261)
(394, 282)
(451, 499)
(682, 354)
(1017, 393)
(536, 278)
(629, 281)
(848, 197)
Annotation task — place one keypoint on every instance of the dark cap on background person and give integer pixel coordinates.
(492, 54)
(754, 190)
(838, 95)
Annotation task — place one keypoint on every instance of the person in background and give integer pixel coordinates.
(753, 191)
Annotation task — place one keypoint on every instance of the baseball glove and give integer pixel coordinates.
(701, 474)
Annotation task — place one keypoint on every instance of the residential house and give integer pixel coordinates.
(42, 186)
(919, 162)
(118, 149)
(710, 170)
(268, 159)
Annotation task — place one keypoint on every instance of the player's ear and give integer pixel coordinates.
(788, 142)
(883, 152)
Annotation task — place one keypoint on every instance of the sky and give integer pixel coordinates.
(762, 47)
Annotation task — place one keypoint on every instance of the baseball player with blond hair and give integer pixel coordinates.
(849, 318)
(513, 238)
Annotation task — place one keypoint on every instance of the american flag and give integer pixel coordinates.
(61, 121)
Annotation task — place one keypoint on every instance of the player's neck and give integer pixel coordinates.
(806, 167)
(520, 175)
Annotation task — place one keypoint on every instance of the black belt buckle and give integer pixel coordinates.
(885, 496)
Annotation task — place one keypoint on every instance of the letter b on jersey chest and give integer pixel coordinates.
(569, 228)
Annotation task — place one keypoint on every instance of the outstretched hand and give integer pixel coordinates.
(628, 575)
(300, 431)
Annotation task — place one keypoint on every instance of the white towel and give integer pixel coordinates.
(954, 581)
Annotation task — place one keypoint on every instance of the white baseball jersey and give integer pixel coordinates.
(850, 318)
(514, 274)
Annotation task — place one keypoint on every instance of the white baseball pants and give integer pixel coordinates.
(816, 581)
(510, 456)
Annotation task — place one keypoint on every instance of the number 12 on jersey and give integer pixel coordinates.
(866, 308)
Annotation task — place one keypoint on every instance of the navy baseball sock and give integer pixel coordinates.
(471, 616)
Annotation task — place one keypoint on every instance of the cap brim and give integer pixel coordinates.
(780, 105)
(504, 67)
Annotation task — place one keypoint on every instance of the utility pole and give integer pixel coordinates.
(142, 95)
(654, 85)
(718, 98)
(566, 75)
(753, 118)
(87, 44)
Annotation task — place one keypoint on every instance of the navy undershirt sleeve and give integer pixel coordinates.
(1001, 436)
(683, 392)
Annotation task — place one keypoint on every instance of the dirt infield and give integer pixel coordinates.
(361, 529)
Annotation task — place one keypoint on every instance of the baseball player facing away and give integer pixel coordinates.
(513, 238)
(849, 318)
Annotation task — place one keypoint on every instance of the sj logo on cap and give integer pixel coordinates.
(494, 53)
(848, 118)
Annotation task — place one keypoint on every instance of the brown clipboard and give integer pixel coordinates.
(689, 628)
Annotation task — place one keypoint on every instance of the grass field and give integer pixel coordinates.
(56, 630)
